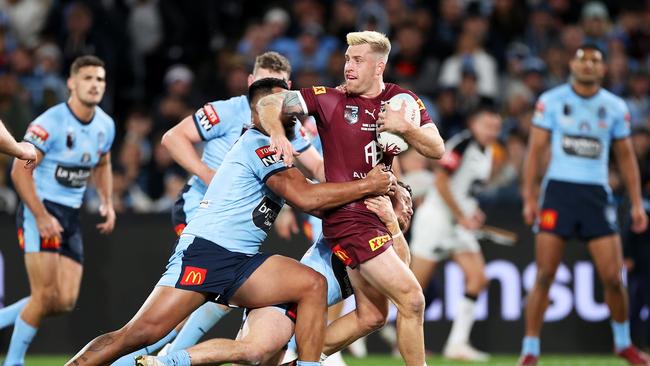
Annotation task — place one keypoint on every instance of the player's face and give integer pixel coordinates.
(486, 128)
(403, 207)
(362, 66)
(261, 73)
(88, 85)
(588, 66)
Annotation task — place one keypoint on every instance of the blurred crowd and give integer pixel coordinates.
(165, 58)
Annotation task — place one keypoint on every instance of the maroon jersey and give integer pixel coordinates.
(347, 128)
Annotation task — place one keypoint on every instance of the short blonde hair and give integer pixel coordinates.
(378, 42)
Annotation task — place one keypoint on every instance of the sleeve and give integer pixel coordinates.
(212, 119)
(308, 98)
(425, 119)
(264, 162)
(542, 117)
(453, 157)
(110, 137)
(42, 132)
(621, 125)
(300, 141)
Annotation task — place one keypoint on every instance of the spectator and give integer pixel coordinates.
(638, 100)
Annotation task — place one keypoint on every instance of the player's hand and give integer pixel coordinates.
(530, 211)
(639, 219)
(27, 153)
(479, 216)
(286, 224)
(108, 225)
(393, 120)
(207, 175)
(383, 208)
(48, 226)
(283, 149)
(470, 223)
(381, 181)
(342, 88)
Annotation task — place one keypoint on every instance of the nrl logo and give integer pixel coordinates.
(351, 114)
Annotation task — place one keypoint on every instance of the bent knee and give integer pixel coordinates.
(142, 334)
(372, 321)
(316, 285)
(249, 354)
(612, 281)
(544, 278)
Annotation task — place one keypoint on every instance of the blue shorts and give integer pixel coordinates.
(70, 244)
(584, 210)
(185, 206)
(202, 266)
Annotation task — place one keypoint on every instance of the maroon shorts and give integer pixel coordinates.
(356, 239)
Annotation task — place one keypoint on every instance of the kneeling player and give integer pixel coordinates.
(267, 330)
(218, 259)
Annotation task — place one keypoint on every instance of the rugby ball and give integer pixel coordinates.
(391, 143)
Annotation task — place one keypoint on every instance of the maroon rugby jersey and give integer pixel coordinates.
(347, 129)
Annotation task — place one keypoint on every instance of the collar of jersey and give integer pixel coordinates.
(79, 119)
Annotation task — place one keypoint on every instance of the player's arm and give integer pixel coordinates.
(383, 208)
(103, 178)
(629, 170)
(272, 109)
(537, 144)
(442, 184)
(21, 150)
(179, 141)
(312, 161)
(314, 198)
(48, 225)
(425, 139)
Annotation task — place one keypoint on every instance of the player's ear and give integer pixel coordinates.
(289, 84)
(381, 66)
(70, 83)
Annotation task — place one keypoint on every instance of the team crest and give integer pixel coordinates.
(351, 114)
(602, 112)
(85, 158)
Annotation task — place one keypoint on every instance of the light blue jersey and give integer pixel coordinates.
(581, 132)
(238, 209)
(72, 148)
(220, 124)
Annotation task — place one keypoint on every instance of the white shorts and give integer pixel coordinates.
(435, 236)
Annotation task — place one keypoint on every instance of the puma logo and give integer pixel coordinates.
(372, 114)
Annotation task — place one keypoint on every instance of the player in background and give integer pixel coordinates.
(578, 122)
(267, 330)
(219, 124)
(217, 257)
(73, 141)
(347, 125)
(21, 150)
(444, 223)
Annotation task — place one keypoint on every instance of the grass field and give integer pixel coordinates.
(548, 360)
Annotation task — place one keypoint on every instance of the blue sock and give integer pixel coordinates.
(9, 314)
(199, 323)
(621, 335)
(306, 363)
(128, 359)
(530, 346)
(178, 358)
(20, 340)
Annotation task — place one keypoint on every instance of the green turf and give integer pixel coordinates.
(547, 360)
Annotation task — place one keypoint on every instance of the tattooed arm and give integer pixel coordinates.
(272, 109)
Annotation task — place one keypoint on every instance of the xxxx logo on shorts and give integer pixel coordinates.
(51, 243)
(378, 242)
(342, 254)
(548, 219)
(193, 276)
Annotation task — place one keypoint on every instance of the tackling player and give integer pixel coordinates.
(579, 121)
(73, 141)
(347, 125)
(219, 124)
(266, 331)
(217, 257)
(20, 150)
(443, 224)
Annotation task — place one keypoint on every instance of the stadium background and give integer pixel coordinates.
(165, 58)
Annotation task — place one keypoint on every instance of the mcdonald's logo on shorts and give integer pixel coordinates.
(342, 254)
(51, 243)
(548, 219)
(21, 238)
(378, 242)
(193, 276)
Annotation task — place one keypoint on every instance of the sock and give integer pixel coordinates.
(463, 322)
(530, 346)
(128, 359)
(621, 333)
(305, 363)
(20, 340)
(9, 314)
(178, 358)
(199, 323)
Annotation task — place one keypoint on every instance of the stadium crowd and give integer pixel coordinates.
(456, 55)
